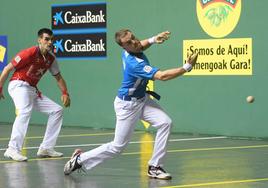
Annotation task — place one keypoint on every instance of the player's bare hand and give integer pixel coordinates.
(161, 37)
(66, 101)
(192, 58)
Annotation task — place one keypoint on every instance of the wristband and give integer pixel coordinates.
(151, 40)
(187, 66)
(65, 92)
(1, 89)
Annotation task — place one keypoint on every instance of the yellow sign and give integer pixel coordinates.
(151, 88)
(2, 53)
(218, 18)
(220, 56)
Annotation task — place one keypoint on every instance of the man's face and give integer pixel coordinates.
(45, 42)
(131, 44)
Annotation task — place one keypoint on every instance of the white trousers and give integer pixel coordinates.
(127, 115)
(26, 99)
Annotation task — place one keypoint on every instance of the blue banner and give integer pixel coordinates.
(79, 30)
(3, 52)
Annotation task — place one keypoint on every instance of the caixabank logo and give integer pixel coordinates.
(79, 16)
(81, 46)
(218, 18)
(79, 30)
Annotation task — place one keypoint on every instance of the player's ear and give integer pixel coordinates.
(39, 40)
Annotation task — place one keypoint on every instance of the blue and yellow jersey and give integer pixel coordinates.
(137, 71)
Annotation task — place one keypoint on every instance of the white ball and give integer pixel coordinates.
(250, 99)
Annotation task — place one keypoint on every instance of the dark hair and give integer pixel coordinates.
(44, 30)
(119, 34)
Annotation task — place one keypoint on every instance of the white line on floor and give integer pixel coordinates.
(134, 142)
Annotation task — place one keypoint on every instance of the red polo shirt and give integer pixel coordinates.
(30, 65)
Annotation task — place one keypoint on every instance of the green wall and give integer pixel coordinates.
(197, 104)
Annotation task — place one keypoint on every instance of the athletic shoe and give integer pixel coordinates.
(43, 153)
(158, 173)
(15, 155)
(73, 164)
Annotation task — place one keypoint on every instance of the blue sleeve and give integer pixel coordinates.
(142, 70)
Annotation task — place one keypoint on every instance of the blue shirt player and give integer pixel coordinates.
(137, 72)
(133, 104)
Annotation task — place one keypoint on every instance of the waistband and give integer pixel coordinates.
(20, 79)
(39, 93)
(129, 98)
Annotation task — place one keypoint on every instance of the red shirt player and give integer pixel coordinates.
(32, 72)
(29, 66)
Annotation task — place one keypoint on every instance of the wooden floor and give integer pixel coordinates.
(193, 161)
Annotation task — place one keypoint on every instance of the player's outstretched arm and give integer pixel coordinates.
(65, 98)
(176, 72)
(3, 78)
(159, 39)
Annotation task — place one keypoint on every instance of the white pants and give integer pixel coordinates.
(127, 114)
(26, 99)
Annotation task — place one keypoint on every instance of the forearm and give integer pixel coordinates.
(169, 74)
(159, 39)
(3, 78)
(175, 72)
(5, 74)
(145, 44)
(61, 84)
(65, 98)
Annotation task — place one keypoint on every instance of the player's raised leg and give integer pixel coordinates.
(125, 124)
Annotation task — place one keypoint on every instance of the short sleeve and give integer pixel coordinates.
(21, 59)
(143, 70)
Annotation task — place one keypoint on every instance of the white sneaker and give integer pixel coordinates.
(158, 173)
(15, 155)
(73, 164)
(43, 153)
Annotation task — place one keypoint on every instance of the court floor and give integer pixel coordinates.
(193, 161)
